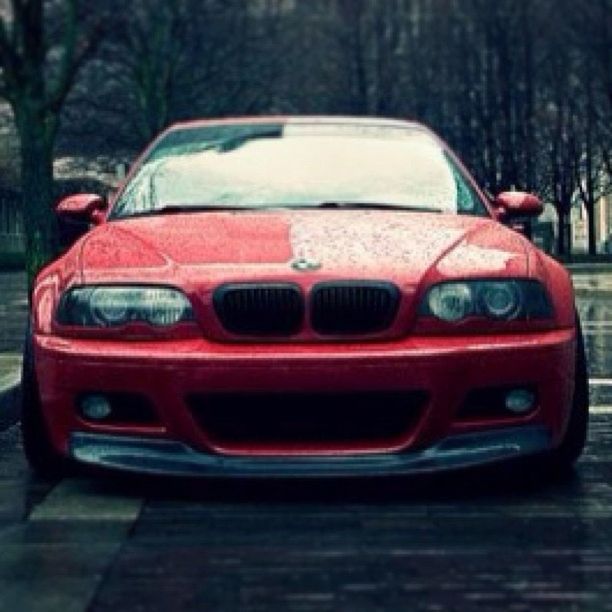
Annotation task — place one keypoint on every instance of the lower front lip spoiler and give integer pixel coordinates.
(154, 456)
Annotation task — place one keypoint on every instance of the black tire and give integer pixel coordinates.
(42, 457)
(562, 459)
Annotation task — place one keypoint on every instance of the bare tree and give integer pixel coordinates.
(37, 73)
(522, 88)
(170, 60)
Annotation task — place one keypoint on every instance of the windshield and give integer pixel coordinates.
(297, 165)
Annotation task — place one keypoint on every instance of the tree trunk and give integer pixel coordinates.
(592, 242)
(562, 246)
(37, 191)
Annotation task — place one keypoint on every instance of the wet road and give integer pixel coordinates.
(461, 542)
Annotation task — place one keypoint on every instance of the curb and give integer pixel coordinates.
(9, 404)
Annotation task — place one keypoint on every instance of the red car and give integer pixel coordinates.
(301, 297)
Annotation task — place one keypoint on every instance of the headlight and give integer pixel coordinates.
(450, 302)
(501, 300)
(504, 300)
(113, 306)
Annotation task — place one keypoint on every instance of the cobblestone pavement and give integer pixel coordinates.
(471, 541)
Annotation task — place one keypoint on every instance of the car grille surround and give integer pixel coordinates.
(353, 307)
(334, 308)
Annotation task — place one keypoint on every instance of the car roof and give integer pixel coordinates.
(301, 119)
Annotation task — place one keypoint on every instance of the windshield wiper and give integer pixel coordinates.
(176, 209)
(376, 206)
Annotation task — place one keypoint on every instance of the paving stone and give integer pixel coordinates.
(78, 500)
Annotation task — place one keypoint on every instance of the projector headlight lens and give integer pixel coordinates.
(113, 306)
(451, 301)
(502, 300)
(110, 306)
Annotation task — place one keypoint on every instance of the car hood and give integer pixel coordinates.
(364, 244)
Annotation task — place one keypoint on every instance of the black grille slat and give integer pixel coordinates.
(260, 310)
(353, 307)
(337, 308)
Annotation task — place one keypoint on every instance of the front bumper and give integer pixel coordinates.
(168, 373)
(164, 457)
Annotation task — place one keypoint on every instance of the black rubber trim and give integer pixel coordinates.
(157, 456)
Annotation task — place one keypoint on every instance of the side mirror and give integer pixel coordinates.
(77, 213)
(516, 204)
(83, 207)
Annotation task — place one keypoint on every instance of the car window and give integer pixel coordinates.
(300, 166)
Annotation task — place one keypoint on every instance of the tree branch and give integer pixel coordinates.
(61, 87)
(73, 57)
(9, 60)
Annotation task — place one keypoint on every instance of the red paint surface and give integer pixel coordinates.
(447, 368)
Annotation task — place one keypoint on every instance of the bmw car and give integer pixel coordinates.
(301, 297)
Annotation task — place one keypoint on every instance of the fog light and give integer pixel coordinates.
(519, 401)
(95, 407)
